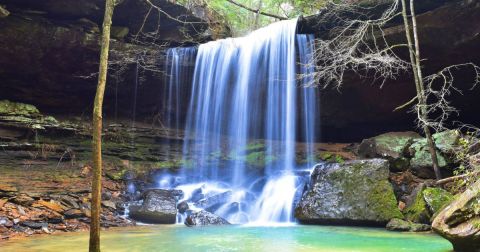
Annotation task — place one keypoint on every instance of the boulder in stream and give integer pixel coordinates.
(354, 192)
(158, 207)
(403, 225)
(204, 218)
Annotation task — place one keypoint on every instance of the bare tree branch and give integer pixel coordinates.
(356, 44)
(256, 11)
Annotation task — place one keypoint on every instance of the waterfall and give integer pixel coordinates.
(246, 115)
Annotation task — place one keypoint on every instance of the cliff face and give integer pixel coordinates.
(49, 51)
(448, 34)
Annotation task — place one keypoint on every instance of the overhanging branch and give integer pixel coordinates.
(256, 11)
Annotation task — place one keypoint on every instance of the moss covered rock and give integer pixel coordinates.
(436, 198)
(446, 141)
(421, 162)
(403, 225)
(416, 209)
(354, 192)
(8, 108)
(392, 146)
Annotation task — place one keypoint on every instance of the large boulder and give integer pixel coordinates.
(459, 222)
(158, 207)
(204, 218)
(392, 146)
(354, 192)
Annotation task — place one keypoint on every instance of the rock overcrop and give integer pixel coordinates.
(409, 151)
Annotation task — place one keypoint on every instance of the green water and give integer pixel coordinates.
(237, 238)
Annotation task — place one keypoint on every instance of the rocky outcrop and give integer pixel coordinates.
(355, 192)
(204, 218)
(408, 226)
(459, 222)
(392, 146)
(409, 151)
(158, 207)
(56, 47)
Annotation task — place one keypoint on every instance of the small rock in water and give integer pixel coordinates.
(159, 207)
(182, 207)
(204, 218)
(402, 225)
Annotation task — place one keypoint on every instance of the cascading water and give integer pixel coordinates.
(246, 112)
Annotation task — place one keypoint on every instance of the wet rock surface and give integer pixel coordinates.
(204, 218)
(406, 226)
(158, 207)
(352, 192)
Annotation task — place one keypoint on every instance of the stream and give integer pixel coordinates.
(238, 238)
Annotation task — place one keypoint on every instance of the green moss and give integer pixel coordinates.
(422, 157)
(258, 159)
(436, 198)
(381, 200)
(476, 224)
(17, 109)
(331, 157)
(116, 175)
(174, 164)
(395, 143)
(417, 211)
(255, 146)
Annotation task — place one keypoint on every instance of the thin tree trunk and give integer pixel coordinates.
(414, 51)
(428, 134)
(257, 15)
(97, 130)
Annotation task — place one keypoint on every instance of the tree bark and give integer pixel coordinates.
(97, 130)
(414, 51)
(257, 15)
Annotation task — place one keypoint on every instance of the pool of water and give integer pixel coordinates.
(237, 238)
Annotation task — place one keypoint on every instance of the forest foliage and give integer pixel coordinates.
(241, 20)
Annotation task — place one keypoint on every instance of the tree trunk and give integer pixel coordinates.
(414, 51)
(97, 130)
